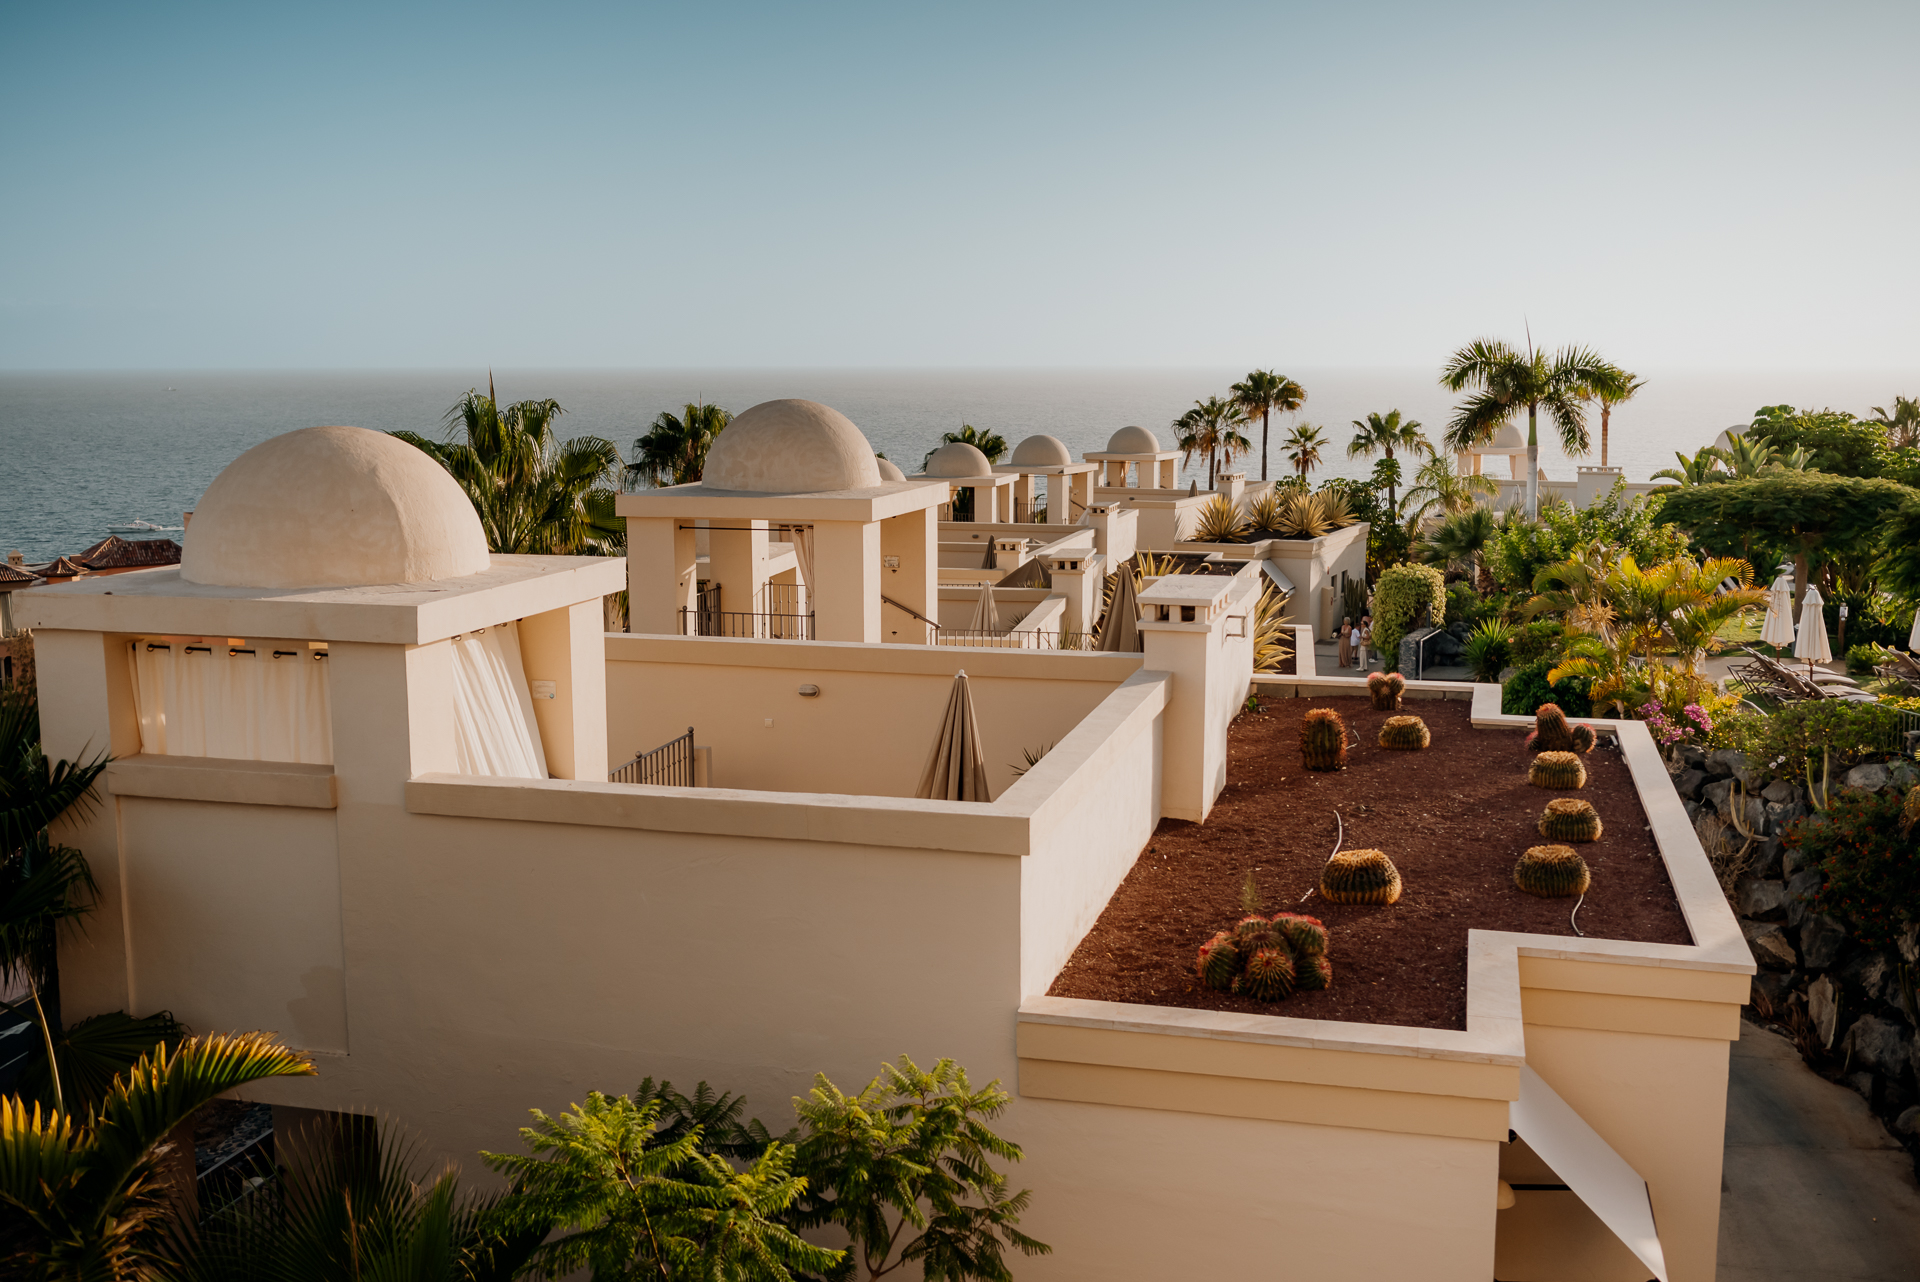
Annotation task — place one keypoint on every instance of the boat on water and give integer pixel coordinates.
(144, 527)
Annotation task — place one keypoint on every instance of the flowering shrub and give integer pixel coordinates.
(1694, 724)
(1872, 869)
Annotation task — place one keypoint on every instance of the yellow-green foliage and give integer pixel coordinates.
(1552, 872)
(1360, 877)
(1557, 770)
(1570, 819)
(1220, 522)
(1406, 734)
(1398, 599)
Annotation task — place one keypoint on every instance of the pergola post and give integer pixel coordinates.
(846, 601)
(910, 572)
(660, 568)
(737, 559)
(1168, 473)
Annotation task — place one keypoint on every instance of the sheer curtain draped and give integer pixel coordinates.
(223, 701)
(494, 732)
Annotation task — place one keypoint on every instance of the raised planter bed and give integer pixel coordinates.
(1453, 817)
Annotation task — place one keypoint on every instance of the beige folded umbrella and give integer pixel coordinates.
(1120, 631)
(955, 769)
(1778, 628)
(986, 615)
(1812, 643)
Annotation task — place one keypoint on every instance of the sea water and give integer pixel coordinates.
(80, 452)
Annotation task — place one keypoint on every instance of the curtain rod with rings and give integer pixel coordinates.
(748, 529)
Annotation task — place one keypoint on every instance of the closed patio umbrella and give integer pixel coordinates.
(1812, 644)
(1913, 638)
(1778, 629)
(1120, 631)
(986, 614)
(955, 769)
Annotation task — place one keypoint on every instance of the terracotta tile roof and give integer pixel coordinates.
(116, 553)
(60, 568)
(14, 575)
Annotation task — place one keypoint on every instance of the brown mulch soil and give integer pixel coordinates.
(1453, 818)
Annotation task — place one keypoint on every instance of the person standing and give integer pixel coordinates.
(1362, 639)
(1346, 642)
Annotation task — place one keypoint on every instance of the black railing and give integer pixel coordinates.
(670, 764)
(747, 623)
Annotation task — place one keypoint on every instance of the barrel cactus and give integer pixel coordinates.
(1304, 935)
(1552, 872)
(1312, 972)
(1408, 734)
(1323, 740)
(1570, 819)
(1384, 689)
(1360, 877)
(1557, 770)
(1268, 976)
(1254, 932)
(1219, 962)
(1552, 733)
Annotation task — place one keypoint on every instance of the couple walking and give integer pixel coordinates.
(1354, 642)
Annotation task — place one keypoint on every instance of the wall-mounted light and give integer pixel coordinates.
(809, 691)
(891, 562)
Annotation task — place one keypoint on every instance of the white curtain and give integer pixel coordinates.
(494, 732)
(250, 703)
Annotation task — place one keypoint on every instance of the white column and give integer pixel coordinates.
(846, 603)
(738, 563)
(913, 539)
(1169, 473)
(1023, 497)
(568, 649)
(660, 573)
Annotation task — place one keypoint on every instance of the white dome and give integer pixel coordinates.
(889, 470)
(1724, 441)
(1509, 437)
(1133, 440)
(332, 507)
(1041, 451)
(957, 458)
(791, 447)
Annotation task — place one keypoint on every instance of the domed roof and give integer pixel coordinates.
(1041, 451)
(791, 447)
(1133, 440)
(332, 507)
(889, 470)
(1509, 437)
(957, 458)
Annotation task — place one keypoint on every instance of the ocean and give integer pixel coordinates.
(80, 452)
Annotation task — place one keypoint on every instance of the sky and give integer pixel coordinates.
(273, 186)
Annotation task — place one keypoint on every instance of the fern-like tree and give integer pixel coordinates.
(906, 1169)
(533, 492)
(989, 443)
(674, 449)
(1463, 539)
(1384, 435)
(1303, 446)
(1438, 488)
(1211, 429)
(1506, 381)
(1265, 393)
(1903, 425)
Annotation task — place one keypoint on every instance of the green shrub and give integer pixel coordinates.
(1872, 870)
(1543, 639)
(1862, 658)
(1464, 605)
(1523, 548)
(1527, 689)
(1849, 731)
(1403, 593)
(1489, 648)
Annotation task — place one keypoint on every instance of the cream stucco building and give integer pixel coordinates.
(361, 797)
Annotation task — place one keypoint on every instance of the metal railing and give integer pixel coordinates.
(1013, 640)
(670, 764)
(747, 623)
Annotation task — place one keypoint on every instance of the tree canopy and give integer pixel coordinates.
(1800, 513)
(1836, 441)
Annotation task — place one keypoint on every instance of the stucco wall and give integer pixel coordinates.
(870, 728)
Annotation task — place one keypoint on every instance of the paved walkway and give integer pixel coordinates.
(1814, 1187)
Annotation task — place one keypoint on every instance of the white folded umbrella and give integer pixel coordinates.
(1913, 640)
(1778, 628)
(1812, 644)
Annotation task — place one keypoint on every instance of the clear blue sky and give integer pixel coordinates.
(587, 185)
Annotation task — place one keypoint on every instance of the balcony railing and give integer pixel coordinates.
(760, 625)
(670, 764)
(1013, 640)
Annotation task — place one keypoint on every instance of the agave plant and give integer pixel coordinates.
(1220, 522)
(1266, 515)
(1272, 644)
(1488, 649)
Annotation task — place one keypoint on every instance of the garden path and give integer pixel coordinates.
(1813, 1186)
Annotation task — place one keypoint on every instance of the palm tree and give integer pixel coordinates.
(1437, 485)
(991, 444)
(1507, 382)
(1463, 539)
(1617, 387)
(534, 494)
(1903, 425)
(674, 450)
(1211, 428)
(1302, 447)
(1377, 435)
(85, 1196)
(1266, 393)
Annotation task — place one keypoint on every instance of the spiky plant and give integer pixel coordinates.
(1304, 935)
(1552, 872)
(1218, 962)
(1553, 733)
(1254, 932)
(1312, 972)
(1405, 734)
(1385, 689)
(1323, 740)
(1360, 877)
(1220, 522)
(1266, 515)
(1249, 895)
(1557, 770)
(1570, 819)
(1268, 976)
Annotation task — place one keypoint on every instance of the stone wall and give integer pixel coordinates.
(1845, 1004)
